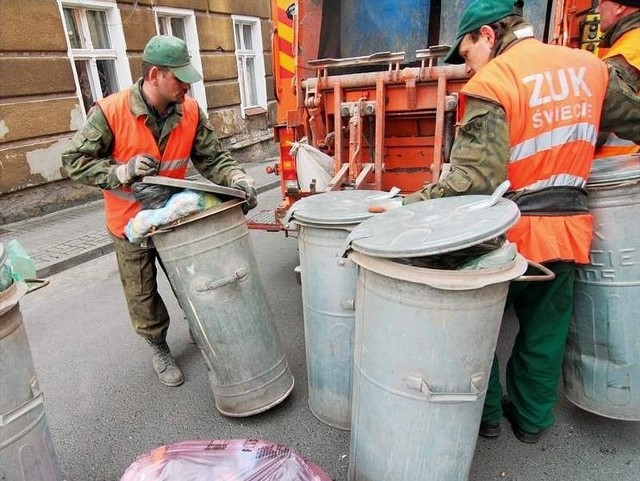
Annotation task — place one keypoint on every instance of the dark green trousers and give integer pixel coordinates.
(533, 371)
(138, 273)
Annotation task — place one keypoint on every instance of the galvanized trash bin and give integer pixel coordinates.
(425, 337)
(210, 262)
(601, 369)
(26, 450)
(328, 295)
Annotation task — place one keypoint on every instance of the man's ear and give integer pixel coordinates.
(154, 73)
(487, 31)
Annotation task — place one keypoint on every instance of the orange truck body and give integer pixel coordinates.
(386, 118)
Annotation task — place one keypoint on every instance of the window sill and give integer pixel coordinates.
(251, 111)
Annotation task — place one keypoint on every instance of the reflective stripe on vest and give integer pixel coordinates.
(132, 137)
(553, 102)
(628, 46)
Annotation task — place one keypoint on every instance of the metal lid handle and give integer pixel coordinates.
(484, 204)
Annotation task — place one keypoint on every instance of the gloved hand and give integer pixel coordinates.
(246, 184)
(137, 166)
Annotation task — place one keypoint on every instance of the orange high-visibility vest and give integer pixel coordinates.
(132, 137)
(628, 46)
(552, 97)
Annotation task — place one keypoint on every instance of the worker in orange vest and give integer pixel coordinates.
(152, 128)
(531, 115)
(620, 50)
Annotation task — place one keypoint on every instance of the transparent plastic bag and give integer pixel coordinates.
(6, 277)
(312, 164)
(21, 264)
(179, 205)
(223, 460)
(492, 259)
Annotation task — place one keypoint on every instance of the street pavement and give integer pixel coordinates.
(105, 405)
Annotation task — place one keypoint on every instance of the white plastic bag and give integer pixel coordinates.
(312, 164)
(223, 460)
(179, 205)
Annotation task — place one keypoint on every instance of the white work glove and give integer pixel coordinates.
(136, 167)
(246, 184)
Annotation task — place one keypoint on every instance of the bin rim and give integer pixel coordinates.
(611, 172)
(12, 295)
(449, 280)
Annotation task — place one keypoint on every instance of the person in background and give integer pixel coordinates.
(531, 114)
(152, 128)
(620, 50)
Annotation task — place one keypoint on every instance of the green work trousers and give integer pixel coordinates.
(544, 311)
(138, 273)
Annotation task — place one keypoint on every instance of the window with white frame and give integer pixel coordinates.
(96, 48)
(249, 55)
(181, 23)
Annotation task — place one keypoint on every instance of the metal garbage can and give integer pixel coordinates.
(601, 368)
(425, 337)
(210, 263)
(328, 295)
(26, 450)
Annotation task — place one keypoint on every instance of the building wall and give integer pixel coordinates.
(40, 108)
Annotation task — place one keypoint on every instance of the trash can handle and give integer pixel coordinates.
(237, 276)
(393, 192)
(39, 284)
(286, 220)
(485, 204)
(548, 274)
(419, 384)
(346, 245)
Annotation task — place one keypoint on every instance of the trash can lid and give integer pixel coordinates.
(205, 186)
(434, 226)
(337, 208)
(611, 170)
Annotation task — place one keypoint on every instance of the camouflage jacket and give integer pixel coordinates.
(480, 151)
(629, 73)
(88, 158)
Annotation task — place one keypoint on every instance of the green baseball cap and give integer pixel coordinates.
(477, 14)
(171, 52)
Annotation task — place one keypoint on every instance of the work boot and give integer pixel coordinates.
(489, 430)
(521, 434)
(165, 365)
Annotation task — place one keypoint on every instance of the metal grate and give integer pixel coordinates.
(264, 220)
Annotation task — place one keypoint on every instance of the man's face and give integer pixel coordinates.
(608, 14)
(170, 88)
(476, 54)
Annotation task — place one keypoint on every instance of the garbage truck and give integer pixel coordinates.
(364, 99)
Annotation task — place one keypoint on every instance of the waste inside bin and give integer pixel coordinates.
(425, 338)
(328, 293)
(211, 266)
(26, 450)
(601, 369)
(237, 459)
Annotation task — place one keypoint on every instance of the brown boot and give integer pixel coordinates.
(165, 365)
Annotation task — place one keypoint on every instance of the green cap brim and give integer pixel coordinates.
(186, 74)
(453, 56)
